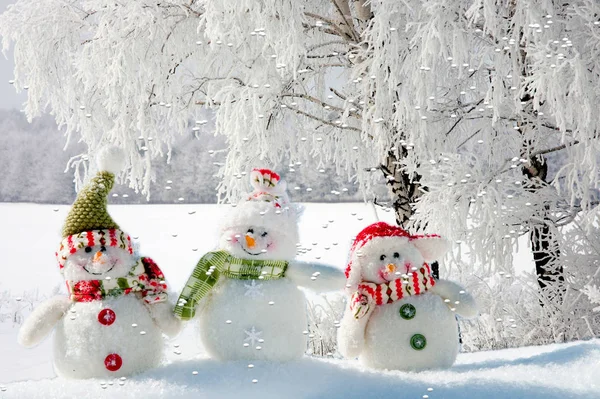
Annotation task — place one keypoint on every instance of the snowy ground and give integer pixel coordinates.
(549, 372)
(175, 237)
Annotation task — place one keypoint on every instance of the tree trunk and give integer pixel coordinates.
(543, 240)
(404, 192)
(544, 243)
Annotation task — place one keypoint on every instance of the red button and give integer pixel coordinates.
(107, 317)
(113, 362)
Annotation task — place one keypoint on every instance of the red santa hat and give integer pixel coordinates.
(431, 246)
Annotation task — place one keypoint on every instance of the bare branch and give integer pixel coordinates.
(199, 102)
(327, 55)
(553, 149)
(337, 93)
(191, 10)
(330, 22)
(463, 117)
(316, 118)
(317, 101)
(330, 43)
(468, 138)
(332, 65)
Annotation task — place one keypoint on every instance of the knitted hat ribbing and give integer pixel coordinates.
(89, 209)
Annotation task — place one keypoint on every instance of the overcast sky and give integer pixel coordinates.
(8, 96)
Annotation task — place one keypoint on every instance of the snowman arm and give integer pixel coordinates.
(351, 334)
(42, 320)
(326, 278)
(466, 306)
(164, 318)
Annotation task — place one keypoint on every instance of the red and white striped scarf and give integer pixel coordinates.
(415, 283)
(144, 278)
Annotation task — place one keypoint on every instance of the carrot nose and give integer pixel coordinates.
(391, 268)
(250, 241)
(98, 257)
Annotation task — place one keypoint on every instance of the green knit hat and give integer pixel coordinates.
(89, 209)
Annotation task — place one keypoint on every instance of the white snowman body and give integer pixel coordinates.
(262, 319)
(106, 339)
(388, 335)
(413, 333)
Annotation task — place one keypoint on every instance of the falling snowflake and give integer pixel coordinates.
(253, 290)
(252, 336)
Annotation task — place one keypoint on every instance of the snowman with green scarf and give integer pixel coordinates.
(111, 323)
(246, 294)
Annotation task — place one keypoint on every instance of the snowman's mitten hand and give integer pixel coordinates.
(351, 333)
(360, 305)
(42, 320)
(316, 277)
(165, 319)
(351, 337)
(459, 299)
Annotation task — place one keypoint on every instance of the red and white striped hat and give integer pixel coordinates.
(267, 187)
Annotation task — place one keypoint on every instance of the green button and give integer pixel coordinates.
(418, 342)
(407, 311)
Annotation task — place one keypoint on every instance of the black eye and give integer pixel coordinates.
(251, 231)
(264, 234)
(103, 248)
(382, 257)
(396, 255)
(88, 249)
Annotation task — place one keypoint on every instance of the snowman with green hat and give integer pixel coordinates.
(111, 322)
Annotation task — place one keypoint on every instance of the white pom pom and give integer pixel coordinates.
(110, 159)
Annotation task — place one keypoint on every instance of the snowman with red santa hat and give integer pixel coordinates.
(245, 295)
(399, 317)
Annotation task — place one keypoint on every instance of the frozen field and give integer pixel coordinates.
(176, 237)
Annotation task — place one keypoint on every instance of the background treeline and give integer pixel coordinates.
(33, 169)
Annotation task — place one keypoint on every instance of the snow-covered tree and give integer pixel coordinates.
(479, 113)
(138, 73)
(503, 132)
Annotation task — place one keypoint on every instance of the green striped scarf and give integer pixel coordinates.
(212, 266)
